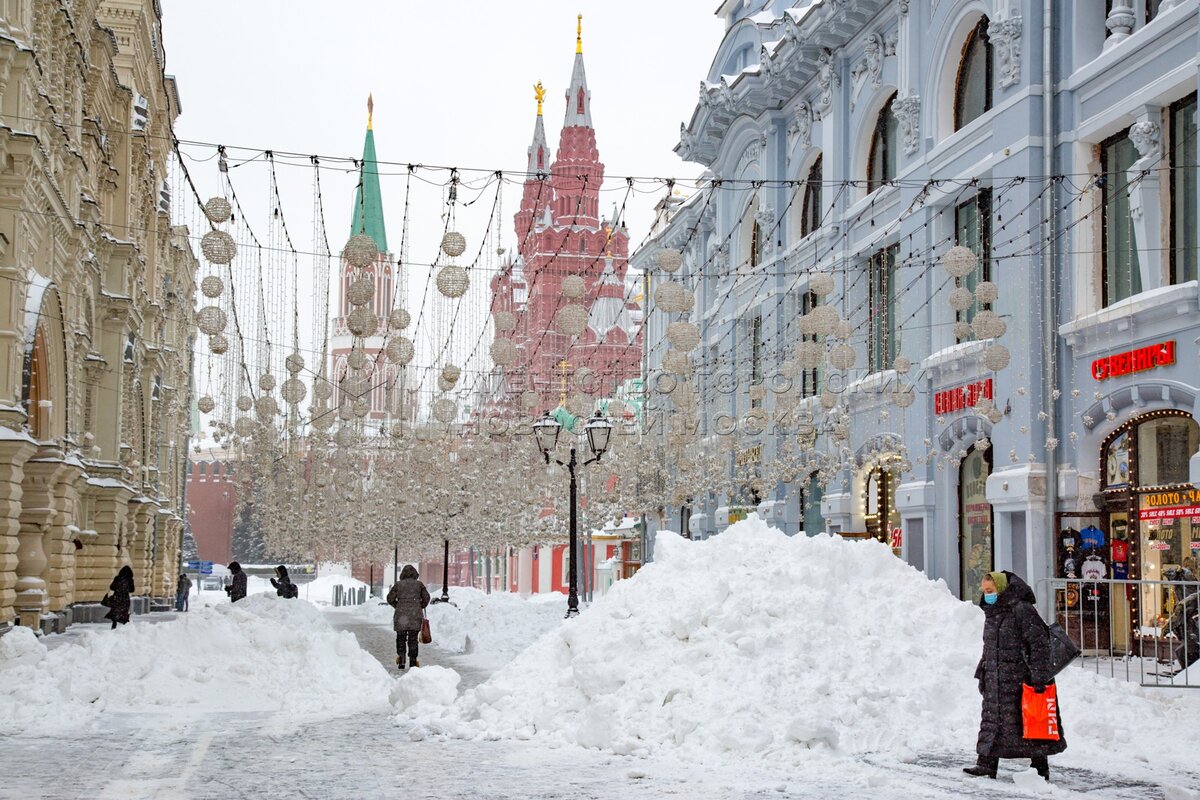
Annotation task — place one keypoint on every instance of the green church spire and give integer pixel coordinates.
(368, 202)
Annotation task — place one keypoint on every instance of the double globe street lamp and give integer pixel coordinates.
(546, 431)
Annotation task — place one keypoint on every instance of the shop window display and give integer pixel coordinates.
(976, 547)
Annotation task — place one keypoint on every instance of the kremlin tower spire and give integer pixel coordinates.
(578, 172)
(536, 195)
(368, 202)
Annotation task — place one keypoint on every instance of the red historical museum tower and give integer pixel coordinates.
(560, 232)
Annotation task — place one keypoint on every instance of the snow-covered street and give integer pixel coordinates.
(674, 684)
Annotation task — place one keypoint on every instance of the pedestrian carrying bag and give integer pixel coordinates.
(1062, 650)
(106, 601)
(1039, 713)
(426, 635)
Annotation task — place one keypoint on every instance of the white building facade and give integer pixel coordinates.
(857, 143)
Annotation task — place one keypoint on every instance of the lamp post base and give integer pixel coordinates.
(571, 612)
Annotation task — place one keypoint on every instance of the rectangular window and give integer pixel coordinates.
(810, 214)
(881, 306)
(756, 353)
(1121, 275)
(1185, 248)
(808, 377)
(973, 229)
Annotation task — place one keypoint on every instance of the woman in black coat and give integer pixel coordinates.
(283, 583)
(1016, 651)
(119, 591)
(409, 597)
(237, 589)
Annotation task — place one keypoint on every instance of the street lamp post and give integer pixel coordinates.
(546, 431)
(445, 598)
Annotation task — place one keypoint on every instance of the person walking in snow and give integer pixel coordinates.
(118, 601)
(183, 588)
(283, 583)
(409, 597)
(237, 589)
(1016, 651)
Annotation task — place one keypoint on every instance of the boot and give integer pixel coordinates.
(400, 662)
(984, 768)
(416, 663)
(1042, 765)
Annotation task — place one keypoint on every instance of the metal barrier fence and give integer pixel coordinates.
(1146, 631)
(347, 596)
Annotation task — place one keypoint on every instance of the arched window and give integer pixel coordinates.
(881, 163)
(541, 161)
(810, 215)
(37, 386)
(755, 244)
(579, 102)
(973, 89)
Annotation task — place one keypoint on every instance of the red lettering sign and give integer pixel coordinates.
(1131, 361)
(948, 401)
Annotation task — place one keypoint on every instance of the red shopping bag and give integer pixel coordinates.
(1039, 713)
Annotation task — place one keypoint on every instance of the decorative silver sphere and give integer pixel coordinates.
(212, 286)
(453, 281)
(399, 350)
(573, 287)
(454, 244)
(399, 319)
(211, 320)
(218, 210)
(360, 251)
(218, 247)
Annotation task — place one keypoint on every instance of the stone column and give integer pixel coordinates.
(59, 542)
(166, 555)
(139, 542)
(103, 556)
(37, 515)
(15, 450)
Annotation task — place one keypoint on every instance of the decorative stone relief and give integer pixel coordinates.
(903, 4)
(705, 96)
(752, 152)
(802, 125)
(869, 68)
(725, 97)
(687, 142)
(1005, 36)
(908, 117)
(827, 81)
(1146, 137)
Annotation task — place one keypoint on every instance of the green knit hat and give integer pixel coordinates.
(1001, 581)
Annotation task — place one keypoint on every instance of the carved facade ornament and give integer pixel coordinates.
(1146, 137)
(791, 28)
(687, 142)
(908, 118)
(869, 69)
(802, 125)
(752, 153)
(1005, 35)
(827, 81)
(903, 6)
(705, 95)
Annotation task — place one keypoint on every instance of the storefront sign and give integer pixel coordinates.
(1160, 545)
(961, 397)
(1195, 545)
(1170, 505)
(1140, 360)
(751, 455)
(1169, 513)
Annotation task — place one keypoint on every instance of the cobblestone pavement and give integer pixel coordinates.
(224, 756)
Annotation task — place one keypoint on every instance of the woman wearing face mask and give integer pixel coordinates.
(1016, 651)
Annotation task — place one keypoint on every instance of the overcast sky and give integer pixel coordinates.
(452, 85)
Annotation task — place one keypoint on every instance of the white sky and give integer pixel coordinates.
(452, 83)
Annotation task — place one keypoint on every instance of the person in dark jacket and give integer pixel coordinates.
(283, 583)
(1016, 651)
(237, 589)
(120, 589)
(409, 597)
(183, 588)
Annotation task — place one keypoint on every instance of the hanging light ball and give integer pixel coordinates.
(399, 350)
(578, 405)
(503, 352)
(960, 261)
(842, 357)
(821, 284)
(345, 414)
(843, 330)
(294, 363)
(211, 320)
(988, 325)
(206, 404)
(670, 260)
(212, 286)
(244, 426)
(573, 287)
(266, 407)
(961, 298)
(828, 399)
(962, 330)
(293, 391)
(218, 344)
(453, 281)
(994, 415)
(824, 319)
(450, 374)
(218, 247)
(683, 336)
(218, 210)
(902, 365)
(809, 355)
(245, 403)
(996, 357)
(454, 244)
(360, 251)
(360, 407)
(986, 292)
(673, 298)
(322, 389)
(444, 410)
(584, 378)
(530, 400)
(676, 363)
(571, 320)
(903, 396)
(362, 322)
(399, 319)
(362, 291)
(505, 321)
(357, 359)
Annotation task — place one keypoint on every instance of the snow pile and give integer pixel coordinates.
(262, 654)
(753, 642)
(492, 628)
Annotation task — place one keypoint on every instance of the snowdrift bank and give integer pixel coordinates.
(755, 642)
(262, 654)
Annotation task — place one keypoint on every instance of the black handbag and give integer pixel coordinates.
(106, 601)
(1062, 650)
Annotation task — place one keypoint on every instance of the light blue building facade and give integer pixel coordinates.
(974, 411)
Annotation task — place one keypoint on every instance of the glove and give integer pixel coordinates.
(1040, 688)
